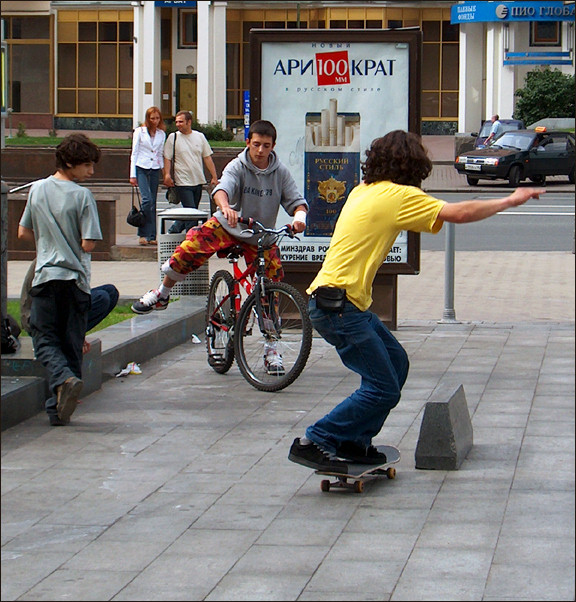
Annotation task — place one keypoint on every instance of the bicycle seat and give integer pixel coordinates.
(234, 252)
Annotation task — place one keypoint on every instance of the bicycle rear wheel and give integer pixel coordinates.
(220, 320)
(278, 322)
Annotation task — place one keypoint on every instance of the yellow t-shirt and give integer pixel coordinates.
(368, 225)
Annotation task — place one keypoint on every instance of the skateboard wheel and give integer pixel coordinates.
(358, 486)
(325, 485)
(391, 473)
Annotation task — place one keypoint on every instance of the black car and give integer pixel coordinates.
(519, 155)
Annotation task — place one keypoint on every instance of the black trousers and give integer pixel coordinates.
(58, 322)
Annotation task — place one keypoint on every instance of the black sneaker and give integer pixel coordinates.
(360, 454)
(312, 456)
(55, 420)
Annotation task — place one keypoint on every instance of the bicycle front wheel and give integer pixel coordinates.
(273, 337)
(220, 319)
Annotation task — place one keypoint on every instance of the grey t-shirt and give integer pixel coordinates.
(62, 214)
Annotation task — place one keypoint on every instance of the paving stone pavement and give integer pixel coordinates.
(175, 484)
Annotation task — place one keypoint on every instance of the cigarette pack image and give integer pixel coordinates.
(331, 165)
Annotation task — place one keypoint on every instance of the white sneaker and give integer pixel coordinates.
(273, 363)
(149, 302)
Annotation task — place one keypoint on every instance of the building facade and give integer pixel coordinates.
(99, 65)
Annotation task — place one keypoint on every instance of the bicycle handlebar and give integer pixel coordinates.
(250, 222)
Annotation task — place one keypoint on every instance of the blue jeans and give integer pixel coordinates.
(368, 348)
(104, 300)
(189, 197)
(148, 180)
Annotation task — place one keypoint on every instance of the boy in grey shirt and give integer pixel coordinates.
(255, 185)
(62, 219)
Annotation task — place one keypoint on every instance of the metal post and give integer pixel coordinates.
(4, 249)
(449, 316)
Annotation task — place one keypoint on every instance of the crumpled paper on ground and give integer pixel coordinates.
(131, 368)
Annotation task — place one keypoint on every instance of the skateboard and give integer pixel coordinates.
(358, 473)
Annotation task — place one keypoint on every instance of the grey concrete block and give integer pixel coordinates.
(22, 398)
(23, 363)
(446, 434)
(24, 379)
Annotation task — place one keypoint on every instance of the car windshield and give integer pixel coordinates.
(506, 127)
(511, 140)
(485, 129)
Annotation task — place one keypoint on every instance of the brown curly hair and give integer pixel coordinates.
(76, 149)
(399, 157)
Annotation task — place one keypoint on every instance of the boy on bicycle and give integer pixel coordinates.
(255, 184)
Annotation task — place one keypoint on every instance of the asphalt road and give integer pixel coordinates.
(546, 224)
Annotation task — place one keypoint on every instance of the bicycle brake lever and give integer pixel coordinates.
(247, 233)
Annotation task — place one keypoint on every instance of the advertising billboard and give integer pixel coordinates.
(330, 93)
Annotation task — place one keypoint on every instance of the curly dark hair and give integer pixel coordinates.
(398, 156)
(76, 149)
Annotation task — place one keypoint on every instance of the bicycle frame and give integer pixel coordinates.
(247, 279)
(243, 279)
(261, 323)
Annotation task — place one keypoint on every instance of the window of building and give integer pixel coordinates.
(29, 67)
(440, 59)
(95, 63)
(187, 28)
(544, 33)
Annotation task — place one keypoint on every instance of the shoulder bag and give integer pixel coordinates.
(136, 216)
(172, 192)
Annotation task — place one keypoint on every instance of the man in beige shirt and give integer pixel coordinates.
(190, 152)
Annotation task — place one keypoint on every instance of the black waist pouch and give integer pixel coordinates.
(329, 298)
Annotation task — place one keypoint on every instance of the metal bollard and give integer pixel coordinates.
(4, 249)
(449, 315)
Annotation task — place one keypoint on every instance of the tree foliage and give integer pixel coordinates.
(212, 131)
(546, 93)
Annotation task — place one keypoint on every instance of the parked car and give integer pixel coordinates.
(518, 155)
(507, 125)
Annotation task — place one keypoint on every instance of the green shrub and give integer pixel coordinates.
(212, 131)
(546, 93)
(21, 133)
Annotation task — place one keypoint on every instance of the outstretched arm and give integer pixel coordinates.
(464, 212)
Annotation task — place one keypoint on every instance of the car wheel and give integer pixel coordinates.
(540, 180)
(472, 181)
(514, 176)
(571, 176)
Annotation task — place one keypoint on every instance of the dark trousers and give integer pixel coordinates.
(104, 300)
(190, 197)
(58, 321)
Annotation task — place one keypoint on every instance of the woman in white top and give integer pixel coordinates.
(146, 168)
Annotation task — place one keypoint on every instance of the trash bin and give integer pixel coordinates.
(197, 282)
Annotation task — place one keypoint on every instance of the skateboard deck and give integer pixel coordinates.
(358, 473)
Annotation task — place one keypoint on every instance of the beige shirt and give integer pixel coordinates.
(190, 152)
